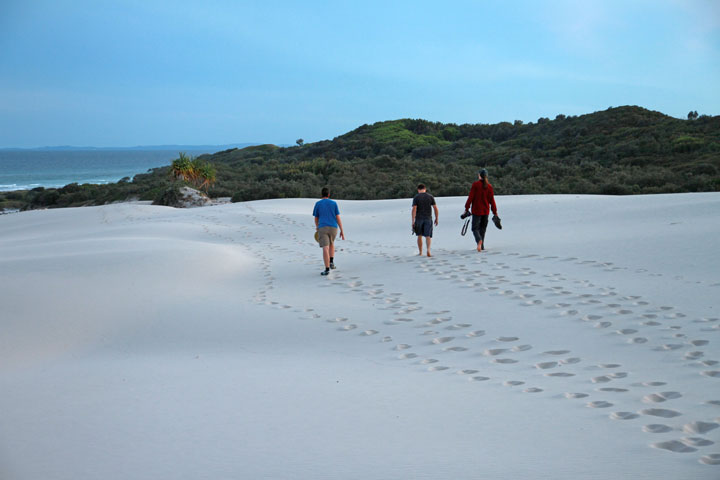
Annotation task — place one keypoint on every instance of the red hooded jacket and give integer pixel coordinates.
(481, 198)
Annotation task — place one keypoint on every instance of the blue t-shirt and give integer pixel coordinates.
(326, 210)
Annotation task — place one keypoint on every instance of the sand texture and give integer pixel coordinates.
(144, 342)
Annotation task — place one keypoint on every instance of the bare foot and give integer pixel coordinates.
(420, 254)
(429, 255)
(479, 246)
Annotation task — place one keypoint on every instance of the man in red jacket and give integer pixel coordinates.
(482, 199)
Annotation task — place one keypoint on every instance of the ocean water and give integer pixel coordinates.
(28, 169)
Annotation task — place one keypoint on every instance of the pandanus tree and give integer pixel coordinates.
(193, 171)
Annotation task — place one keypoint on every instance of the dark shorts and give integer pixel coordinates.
(423, 227)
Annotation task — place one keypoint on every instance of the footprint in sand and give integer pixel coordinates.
(711, 459)
(467, 372)
(402, 346)
(576, 395)
(347, 328)
(454, 349)
(491, 352)
(405, 320)
(626, 331)
(533, 390)
(521, 348)
(638, 340)
(697, 442)
(660, 412)
(428, 361)
(546, 365)
(513, 383)
(560, 374)
(668, 347)
(438, 368)
(661, 397)
(368, 333)
(571, 361)
(507, 339)
(458, 326)
(440, 340)
(476, 333)
(386, 339)
(613, 390)
(674, 446)
(624, 415)
(407, 356)
(556, 352)
(599, 404)
(479, 378)
(657, 428)
(504, 361)
(699, 428)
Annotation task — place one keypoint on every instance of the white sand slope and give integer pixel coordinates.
(147, 342)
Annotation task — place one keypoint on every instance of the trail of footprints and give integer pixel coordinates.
(440, 343)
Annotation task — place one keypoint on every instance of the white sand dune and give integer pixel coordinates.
(143, 342)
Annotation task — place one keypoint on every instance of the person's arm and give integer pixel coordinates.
(412, 216)
(317, 223)
(437, 214)
(492, 201)
(339, 222)
(470, 198)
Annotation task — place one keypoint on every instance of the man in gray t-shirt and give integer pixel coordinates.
(422, 223)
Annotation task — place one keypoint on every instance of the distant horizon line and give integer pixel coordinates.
(137, 147)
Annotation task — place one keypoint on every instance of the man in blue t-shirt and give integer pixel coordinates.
(327, 221)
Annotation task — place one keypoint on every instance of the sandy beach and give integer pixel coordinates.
(146, 342)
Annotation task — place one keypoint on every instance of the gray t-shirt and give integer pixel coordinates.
(424, 202)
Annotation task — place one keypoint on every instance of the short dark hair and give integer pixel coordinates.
(421, 186)
(325, 192)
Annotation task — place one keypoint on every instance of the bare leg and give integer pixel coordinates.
(429, 241)
(326, 256)
(332, 250)
(419, 240)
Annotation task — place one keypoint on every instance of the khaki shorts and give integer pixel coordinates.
(326, 236)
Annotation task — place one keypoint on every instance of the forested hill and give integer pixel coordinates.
(624, 150)
(617, 151)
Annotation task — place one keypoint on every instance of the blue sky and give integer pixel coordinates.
(146, 72)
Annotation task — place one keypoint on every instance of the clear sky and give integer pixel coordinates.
(147, 72)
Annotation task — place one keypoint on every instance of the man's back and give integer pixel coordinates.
(424, 202)
(327, 211)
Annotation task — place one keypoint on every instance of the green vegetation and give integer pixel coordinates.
(619, 151)
(193, 171)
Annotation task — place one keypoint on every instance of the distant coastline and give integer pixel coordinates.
(70, 148)
(58, 166)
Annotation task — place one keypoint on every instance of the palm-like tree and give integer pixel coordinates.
(193, 171)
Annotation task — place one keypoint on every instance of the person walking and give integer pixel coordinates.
(482, 200)
(327, 222)
(422, 222)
